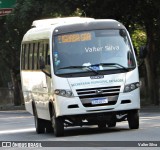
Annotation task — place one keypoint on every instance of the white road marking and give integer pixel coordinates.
(17, 131)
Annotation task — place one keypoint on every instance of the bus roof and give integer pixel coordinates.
(42, 29)
(54, 21)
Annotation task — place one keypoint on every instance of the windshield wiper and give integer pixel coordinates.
(113, 64)
(80, 67)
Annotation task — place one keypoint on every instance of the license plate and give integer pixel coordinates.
(96, 101)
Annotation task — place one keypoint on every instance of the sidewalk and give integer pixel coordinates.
(150, 109)
(11, 107)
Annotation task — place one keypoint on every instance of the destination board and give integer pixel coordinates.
(78, 37)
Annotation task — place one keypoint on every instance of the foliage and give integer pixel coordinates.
(139, 38)
(141, 18)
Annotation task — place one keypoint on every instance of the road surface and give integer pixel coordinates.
(19, 126)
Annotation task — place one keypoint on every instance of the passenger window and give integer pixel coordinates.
(38, 46)
(47, 54)
(23, 57)
(47, 58)
(26, 56)
(35, 55)
(41, 52)
(31, 57)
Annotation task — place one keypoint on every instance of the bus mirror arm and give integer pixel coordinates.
(42, 66)
(48, 74)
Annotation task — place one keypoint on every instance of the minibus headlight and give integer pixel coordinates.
(68, 93)
(65, 93)
(62, 92)
(127, 88)
(57, 92)
(131, 87)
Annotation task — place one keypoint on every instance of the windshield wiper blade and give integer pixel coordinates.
(95, 71)
(80, 67)
(71, 67)
(112, 64)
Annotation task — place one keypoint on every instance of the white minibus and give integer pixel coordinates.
(79, 71)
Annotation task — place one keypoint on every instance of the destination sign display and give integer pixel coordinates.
(78, 37)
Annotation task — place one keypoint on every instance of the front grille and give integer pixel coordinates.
(111, 93)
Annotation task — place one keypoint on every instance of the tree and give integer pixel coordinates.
(131, 13)
(149, 17)
(13, 28)
(15, 25)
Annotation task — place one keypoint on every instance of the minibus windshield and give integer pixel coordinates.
(92, 49)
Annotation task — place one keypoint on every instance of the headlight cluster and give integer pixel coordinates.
(131, 87)
(65, 93)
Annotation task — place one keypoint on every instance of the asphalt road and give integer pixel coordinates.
(19, 126)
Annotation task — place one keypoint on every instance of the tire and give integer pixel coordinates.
(39, 124)
(49, 128)
(57, 124)
(111, 124)
(101, 125)
(133, 119)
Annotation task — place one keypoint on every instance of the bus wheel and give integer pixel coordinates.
(133, 119)
(49, 128)
(112, 124)
(101, 125)
(39, 124)
(58, 126)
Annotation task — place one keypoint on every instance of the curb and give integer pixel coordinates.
(11, 107)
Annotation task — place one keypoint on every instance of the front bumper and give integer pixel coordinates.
(73, 106)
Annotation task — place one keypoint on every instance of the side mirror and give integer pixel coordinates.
(41, 63)
(122, 33)
(143, 52)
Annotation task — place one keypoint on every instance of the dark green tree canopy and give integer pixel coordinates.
(136, 15)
